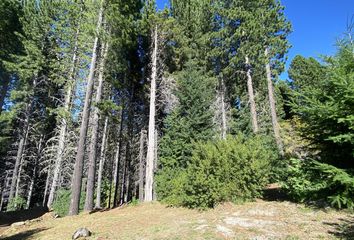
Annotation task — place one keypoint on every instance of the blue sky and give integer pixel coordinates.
(316, 25)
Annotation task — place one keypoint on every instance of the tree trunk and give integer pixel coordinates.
(117, 160)
(154, 193)
(101, 164)
(17, 189)
(5, 82)
(251, 96)
(223, 110)
(122, 188)
(30, 190)
(20, 151)
(63, 124)
(149, 175)
(6, 185)
(141, 165)
(273, 112)
(78, 169)
(90, 188)
(34, 173)
(44, 203)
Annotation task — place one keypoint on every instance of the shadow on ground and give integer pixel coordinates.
(273, 192)
(344, 229)
(24, 235)
(7, 218)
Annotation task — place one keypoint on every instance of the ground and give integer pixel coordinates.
(255, 220)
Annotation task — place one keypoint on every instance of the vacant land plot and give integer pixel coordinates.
(255, 220)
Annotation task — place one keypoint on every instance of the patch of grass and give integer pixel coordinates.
(157, 221)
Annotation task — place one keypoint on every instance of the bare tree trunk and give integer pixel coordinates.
(17, 189)
(141, 165)
(223, 110)
(30, 190)
(117, 160)
(251, 96)
(101, 164)
(150, 157)
(126, 193)
(5, 82)
(6, 184)
(46, 188)
(127, 183)
(34, 173)
(90, 188)
(116, 165)
(154, 192)
(122, 188)
(78, 169)
(19, 157)
(273, 112)
(63, 124)
(110, 188)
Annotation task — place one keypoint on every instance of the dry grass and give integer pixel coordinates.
(256, 220)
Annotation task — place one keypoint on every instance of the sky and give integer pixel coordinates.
(316, 25)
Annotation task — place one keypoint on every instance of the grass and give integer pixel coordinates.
(260, 219)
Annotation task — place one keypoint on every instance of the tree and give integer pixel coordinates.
(191, 121)
(326, 106)
(32, 69)
(275, 48)
(63, 118)
(305, 72)
(93, 144)
(150, 157)
(77, 175)
(10, 43)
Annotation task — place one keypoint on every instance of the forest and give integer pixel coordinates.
(111, 102)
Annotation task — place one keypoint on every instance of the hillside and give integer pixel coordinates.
(256, 220)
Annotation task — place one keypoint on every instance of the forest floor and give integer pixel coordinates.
(255, 220)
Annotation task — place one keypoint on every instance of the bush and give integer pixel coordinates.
(309, 180)
(107, 193)
(62, 202)
(234, 170)
(16, 203)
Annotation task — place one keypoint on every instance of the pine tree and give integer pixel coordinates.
(70, 83)
(190, 122)
(10, 44)
(323, 100)
(78, 171)
(94, 138)
(32, 96)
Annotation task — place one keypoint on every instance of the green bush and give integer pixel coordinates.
(309, 180)
(234, 170)
(107, 195)
(62, 202)
(16, 203)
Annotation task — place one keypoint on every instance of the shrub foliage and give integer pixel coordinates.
(235, 169)
(17, 203)
(310, 180)
(62, 202)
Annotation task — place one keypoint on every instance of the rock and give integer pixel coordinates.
(224, 231)
(81, 232)
(16, 224)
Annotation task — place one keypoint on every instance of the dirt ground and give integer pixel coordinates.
(256, 220)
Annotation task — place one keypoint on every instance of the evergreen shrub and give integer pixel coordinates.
(235, 169)
(62, 202)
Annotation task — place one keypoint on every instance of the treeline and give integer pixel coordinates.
(107, 102)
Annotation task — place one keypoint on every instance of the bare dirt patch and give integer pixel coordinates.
(256, 220)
